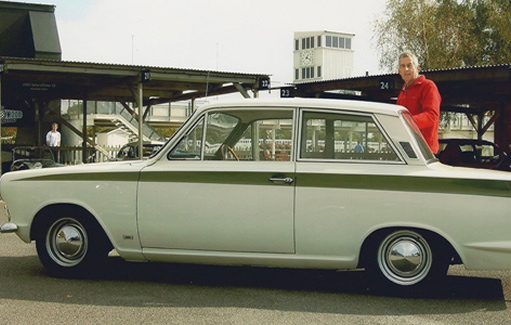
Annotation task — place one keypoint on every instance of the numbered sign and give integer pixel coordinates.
(145, 76)
(386, 84)
(286, 92)
(264, 83)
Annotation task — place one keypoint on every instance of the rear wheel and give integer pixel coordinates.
(405, 259)
(71, 245)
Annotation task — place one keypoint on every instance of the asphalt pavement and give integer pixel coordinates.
(157, 293)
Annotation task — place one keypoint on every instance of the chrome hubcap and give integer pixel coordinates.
(67, 242)
(405, 258)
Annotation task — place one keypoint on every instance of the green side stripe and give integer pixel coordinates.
(341, 181)
(249, 178)
(407, 184)
(87, 177)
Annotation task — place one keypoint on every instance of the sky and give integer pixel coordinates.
(222, 35)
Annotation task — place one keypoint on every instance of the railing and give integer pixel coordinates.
(115, 110)
(74, 155)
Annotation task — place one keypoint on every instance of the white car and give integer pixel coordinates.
(275, 184)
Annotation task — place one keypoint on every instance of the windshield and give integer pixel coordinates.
(423, 146)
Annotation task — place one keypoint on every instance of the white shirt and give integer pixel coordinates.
(53, 138)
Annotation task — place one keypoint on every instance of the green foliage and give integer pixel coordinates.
(166, 132)
(445, 33)
(9, 134)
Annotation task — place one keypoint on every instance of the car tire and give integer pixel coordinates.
(71, 244)
(406, 260)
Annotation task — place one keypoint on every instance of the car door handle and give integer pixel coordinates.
(287, 180)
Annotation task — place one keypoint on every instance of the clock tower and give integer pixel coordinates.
(322, 55)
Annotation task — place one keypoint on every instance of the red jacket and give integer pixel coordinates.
(422, 99)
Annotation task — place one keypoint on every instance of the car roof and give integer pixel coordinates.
(340, 104)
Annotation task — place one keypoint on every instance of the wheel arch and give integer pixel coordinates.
(377, 236)
(42, 215)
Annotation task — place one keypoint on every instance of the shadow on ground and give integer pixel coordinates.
(352, 282)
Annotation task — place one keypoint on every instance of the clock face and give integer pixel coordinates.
(307, 58)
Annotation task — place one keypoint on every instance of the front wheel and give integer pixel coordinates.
(405, 258)
(70, 245)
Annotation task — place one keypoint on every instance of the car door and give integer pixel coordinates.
(227, 185)
(345, 170)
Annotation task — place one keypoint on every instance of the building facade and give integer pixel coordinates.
(322, 55)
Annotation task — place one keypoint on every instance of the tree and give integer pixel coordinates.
(445, 33)
(497, 29)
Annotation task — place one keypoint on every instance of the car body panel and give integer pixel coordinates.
(91, 187)
(207, 207)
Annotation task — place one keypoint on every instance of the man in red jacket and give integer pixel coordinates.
(421, 97)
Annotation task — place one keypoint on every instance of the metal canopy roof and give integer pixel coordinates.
(470, 90)
(53, 79)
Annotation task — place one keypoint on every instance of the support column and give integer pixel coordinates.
(1, 118)
(140, 121)
(502, 134)
(84, 130)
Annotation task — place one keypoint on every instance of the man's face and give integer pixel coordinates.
(408, 71)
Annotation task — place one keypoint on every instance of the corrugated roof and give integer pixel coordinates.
(90, 64)
(480, 87)
(115, 82)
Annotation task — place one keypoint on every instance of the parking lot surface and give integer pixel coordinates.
(155, 293)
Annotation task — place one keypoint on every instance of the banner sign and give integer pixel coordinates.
(17, 112)
(11, 116)
(38, 86)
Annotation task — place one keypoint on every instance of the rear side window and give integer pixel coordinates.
(343, 137)
(424, 148)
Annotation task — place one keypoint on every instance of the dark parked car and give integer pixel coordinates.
(130, 151)
(473, 153)
(33, 157)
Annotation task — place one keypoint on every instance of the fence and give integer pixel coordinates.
(74, 155)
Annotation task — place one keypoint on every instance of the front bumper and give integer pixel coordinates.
(8, 228)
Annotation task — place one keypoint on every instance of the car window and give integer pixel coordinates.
(219, 129)
(239, 135)
(126, 152)
(343, 137)
(487, 152)
(189, 147)
(466, 148)
(272, 140)
(412, 126)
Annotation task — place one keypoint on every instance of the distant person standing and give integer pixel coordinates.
(53, 136)
(359, 148)
(421, 97)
